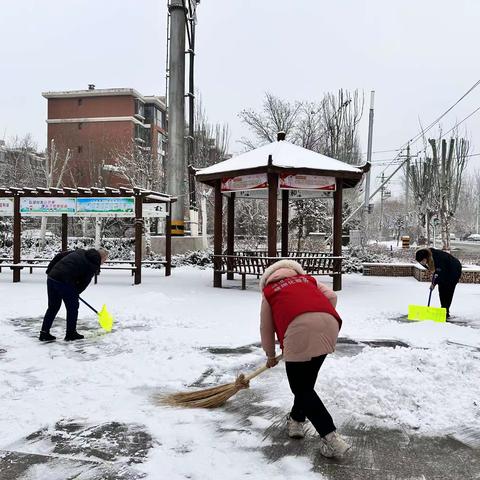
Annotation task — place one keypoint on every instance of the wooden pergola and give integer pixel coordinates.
(140, 196)
(266, 168)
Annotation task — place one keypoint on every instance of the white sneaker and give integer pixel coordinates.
(295, 429)
(333, 445)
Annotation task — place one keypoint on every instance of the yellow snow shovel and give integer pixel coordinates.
(105, 318)
(420, 312)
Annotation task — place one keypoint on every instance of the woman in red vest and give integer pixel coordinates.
(303, 316)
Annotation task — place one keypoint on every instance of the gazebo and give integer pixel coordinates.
(65, 202)
(278, 171)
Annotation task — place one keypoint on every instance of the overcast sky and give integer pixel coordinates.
(419, 57)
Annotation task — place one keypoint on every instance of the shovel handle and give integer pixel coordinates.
(87, 304)
(260, 370)
(434, 277)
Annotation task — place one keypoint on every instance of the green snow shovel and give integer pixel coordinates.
(105, 319)
(420, 312)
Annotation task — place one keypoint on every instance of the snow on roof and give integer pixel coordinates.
(284, 155)
(97, 92)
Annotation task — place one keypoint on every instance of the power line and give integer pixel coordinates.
(384, 151)
(432, 124)
(414, 139)
(466, 118)
(386, 161)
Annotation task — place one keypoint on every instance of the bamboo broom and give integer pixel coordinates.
(212, 397)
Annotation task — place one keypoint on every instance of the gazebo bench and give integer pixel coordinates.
(21, 266)
(129, 267)
(255, 263)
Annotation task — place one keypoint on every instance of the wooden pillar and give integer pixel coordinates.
(17, 236)
(272, 213)
(217, 236)
(230, 233)
(285, 197)
(138, 238)
(64, 232)
(168, 243)
(337, 234)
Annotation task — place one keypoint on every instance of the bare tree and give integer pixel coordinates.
(20, 163)
(211, 140)
(341, 116)
(329, 127)
(139, 167)
(467, 218)
(423, 175)
(211, 143)
(55, 169)
(436, 183)
(451, 166)
(276, 115)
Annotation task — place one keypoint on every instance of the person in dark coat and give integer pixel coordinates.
(446, 270)
(69, 274)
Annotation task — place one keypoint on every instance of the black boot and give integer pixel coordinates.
(73, 336)
(46, 337)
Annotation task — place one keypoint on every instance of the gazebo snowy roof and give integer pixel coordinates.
(281, 156)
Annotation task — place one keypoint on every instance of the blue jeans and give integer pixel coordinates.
(58, 291)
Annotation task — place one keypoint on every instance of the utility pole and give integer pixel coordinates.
(407, 181)
(382, 193)
(478, 213)
(369, 160)
(176, 169)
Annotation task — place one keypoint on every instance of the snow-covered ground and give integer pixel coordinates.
(173, 332)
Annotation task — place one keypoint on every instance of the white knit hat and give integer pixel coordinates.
(276, 266)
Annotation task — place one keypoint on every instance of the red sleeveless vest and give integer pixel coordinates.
(290, 297)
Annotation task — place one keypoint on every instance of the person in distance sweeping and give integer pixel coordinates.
(69, 274)
(446, 270)
(303, 316)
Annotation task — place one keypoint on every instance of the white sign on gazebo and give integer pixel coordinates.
(106, 207)
(244, 182)
(6, 207)
(294, 194)
(296, 181)
(46, 206)
(155, 210)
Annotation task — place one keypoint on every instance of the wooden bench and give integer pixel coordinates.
(21, 266)
(132, 268)
(255, 263)
(128, 265)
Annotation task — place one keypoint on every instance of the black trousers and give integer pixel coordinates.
(57, 292)
(307, 404)
(446, 291)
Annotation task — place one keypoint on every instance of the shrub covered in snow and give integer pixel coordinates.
(199, 258)
(356, 256)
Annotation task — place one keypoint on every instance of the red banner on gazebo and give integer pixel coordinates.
(292, 181)
(244, 182)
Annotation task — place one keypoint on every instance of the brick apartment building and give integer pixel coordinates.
(99, 126)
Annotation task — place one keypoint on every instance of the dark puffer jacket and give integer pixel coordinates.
(447, 268)
(76, 268)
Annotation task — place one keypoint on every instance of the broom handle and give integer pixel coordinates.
(260, 370)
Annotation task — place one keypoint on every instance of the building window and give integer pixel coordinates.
(139, 108)
(80, 101)
(79, 149)
(149, 114)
